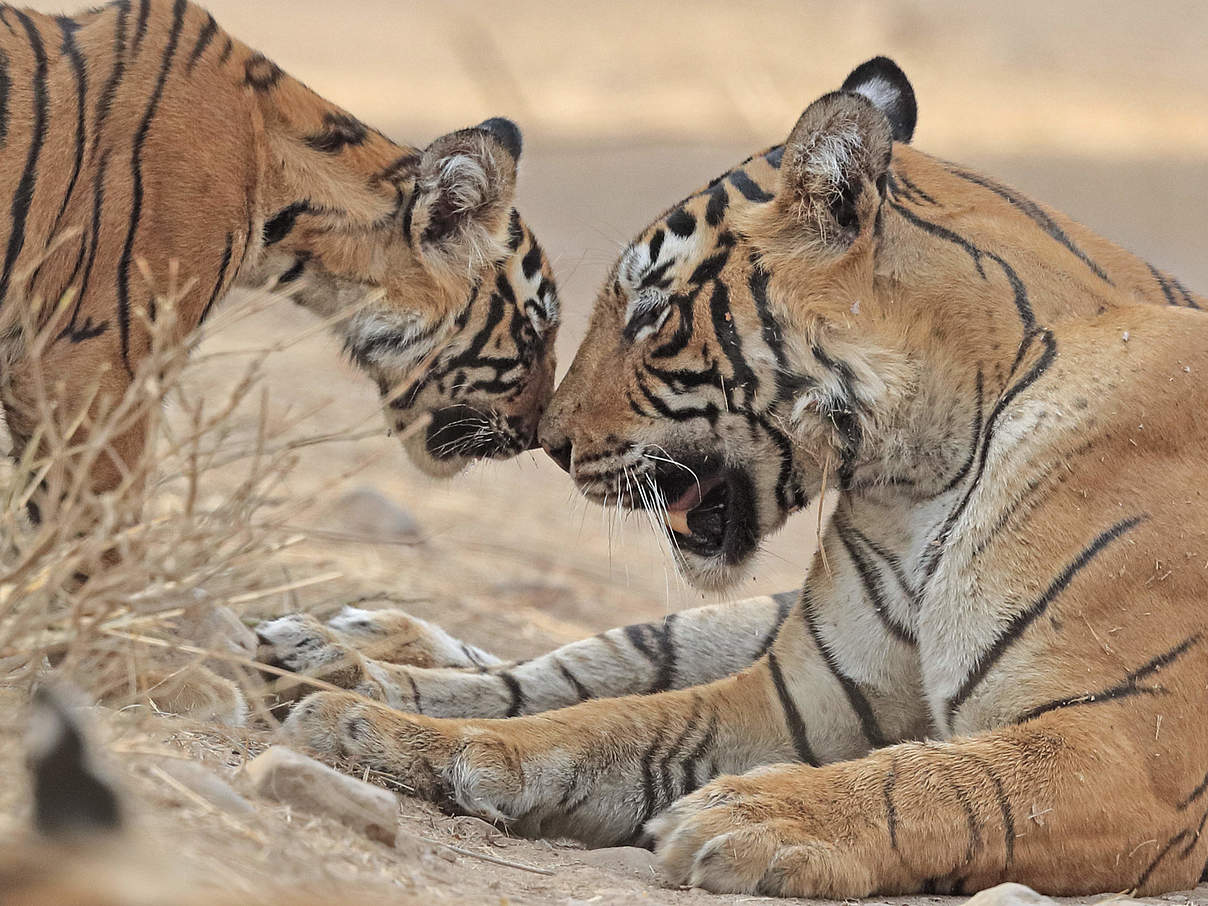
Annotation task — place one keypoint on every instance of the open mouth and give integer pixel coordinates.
(709, 512)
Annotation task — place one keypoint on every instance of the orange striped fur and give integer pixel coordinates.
(141, 141)
(995, 669)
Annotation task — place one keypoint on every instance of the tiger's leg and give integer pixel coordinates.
(389, 655)
(357, 649)
(599, 770)
(77, 396)
(1070, 802)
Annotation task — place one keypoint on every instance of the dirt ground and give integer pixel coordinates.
(1098, 108)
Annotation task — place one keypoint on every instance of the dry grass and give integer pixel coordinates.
(157, 551)
(112, 593)
(115, 594)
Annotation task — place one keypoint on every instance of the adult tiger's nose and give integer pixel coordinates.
(560, 454)
(555, 443)
(554, 436)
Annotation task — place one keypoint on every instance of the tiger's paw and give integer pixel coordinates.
(396, 637)
(754, 834)
(301, 644)
(298, 643)
(463, 769)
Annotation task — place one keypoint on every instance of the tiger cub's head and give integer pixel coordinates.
(486, 386)
(441, 292)
(727, 373)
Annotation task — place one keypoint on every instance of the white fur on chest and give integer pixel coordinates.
(974, 594)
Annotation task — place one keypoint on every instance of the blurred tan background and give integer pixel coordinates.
(1098, 108)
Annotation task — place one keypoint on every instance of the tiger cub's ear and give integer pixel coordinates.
(464, 189)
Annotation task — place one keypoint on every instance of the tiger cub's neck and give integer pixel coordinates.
(318, 154)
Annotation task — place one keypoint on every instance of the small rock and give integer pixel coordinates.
(288, 777)
(206, 784)
(1011, 895)
(467, 827)
(367, 514)
(625, 860)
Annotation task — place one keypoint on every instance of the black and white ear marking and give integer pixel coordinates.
(70, 797)
(506, 133)
(882, 81)
(831, 175)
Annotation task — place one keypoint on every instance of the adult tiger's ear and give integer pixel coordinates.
(834, 171)
(464, 188)
(882, 81)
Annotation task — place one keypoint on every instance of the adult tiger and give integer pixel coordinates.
(1011, 411)
(141, 132)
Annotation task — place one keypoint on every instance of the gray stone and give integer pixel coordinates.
(366, 514)
(288, 777)
(623, 860)
(206, 784)
(1011, 895)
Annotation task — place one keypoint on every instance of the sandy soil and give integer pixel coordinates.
(1098, 108)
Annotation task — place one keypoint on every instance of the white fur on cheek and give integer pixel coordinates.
(395, 341)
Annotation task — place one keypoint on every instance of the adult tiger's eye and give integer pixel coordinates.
(646, 319)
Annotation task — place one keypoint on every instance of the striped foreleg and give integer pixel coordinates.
(1055, 803)
(416, 667)
(599, 770)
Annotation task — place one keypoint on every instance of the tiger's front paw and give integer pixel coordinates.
(756, 834)
(301, 644)
(298, 643)
(396, 637)
(462, 768)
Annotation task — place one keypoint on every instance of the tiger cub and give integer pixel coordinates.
(141, 139)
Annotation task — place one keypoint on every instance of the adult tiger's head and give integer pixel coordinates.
(761, 339)
(453, 307)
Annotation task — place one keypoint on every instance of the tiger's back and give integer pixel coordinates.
(127, 140)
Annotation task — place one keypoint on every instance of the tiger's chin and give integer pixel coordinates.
(710, 573)
(432, 466)
(458, 435)
(712, 521)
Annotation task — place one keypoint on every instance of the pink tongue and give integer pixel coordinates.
(693, 496)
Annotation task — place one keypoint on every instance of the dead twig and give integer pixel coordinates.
(494, 860)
